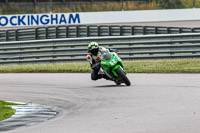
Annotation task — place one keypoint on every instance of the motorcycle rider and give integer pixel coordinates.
(94, 58)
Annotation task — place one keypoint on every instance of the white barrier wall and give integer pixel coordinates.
(99, 17)
(142, 16)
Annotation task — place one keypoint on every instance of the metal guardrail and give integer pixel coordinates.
(87, 31)
(168, 46)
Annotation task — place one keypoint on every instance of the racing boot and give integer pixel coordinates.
(105, 76)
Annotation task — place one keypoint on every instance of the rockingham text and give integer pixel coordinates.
(39, 19)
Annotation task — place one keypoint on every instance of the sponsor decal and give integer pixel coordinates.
(103, 62)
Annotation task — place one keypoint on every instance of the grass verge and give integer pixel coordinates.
(5, 110)
(145, 66)
(13, 8)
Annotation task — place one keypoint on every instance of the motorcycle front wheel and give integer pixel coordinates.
(123, 76)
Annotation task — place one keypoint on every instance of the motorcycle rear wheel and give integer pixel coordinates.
(123, 76)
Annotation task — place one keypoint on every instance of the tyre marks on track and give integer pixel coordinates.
(28, 115)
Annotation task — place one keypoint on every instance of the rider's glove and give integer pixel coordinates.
(96, 66)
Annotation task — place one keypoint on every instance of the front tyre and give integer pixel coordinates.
(123, 76)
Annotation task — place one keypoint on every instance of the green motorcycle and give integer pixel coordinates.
(113, 67)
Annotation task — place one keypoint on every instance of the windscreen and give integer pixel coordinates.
(107, 56)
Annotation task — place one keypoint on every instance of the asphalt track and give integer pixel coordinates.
(154, 103)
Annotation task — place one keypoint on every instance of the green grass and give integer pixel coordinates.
(13, 8)
(5, 110)
(145, 66)
(2, 103)
(164, 66)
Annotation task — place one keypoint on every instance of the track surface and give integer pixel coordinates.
(155, 103)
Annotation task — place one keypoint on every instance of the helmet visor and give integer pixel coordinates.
(94, 51)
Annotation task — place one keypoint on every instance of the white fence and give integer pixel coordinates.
(99, 17)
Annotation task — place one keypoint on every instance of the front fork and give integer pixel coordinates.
(114, 68)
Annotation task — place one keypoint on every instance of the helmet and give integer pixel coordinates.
(93, 48)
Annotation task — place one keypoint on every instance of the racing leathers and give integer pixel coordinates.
(95, 64)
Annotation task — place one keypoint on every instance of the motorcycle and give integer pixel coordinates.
(113, 67)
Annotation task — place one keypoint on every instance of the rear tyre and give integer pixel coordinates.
(123, 76)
